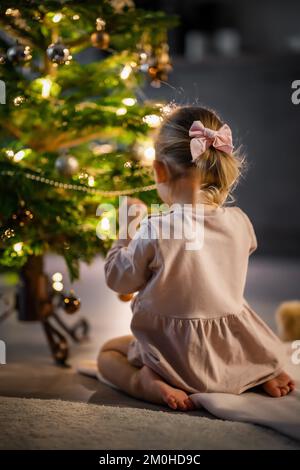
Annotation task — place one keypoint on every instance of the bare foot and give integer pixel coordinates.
(279, 386)
(154, 389)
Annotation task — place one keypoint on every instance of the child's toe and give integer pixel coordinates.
(275, 392)
(292, 385)
(190, 405)
(172, 403)
(284, 391)
(181, 405)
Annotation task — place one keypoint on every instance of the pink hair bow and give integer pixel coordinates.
(203, 138)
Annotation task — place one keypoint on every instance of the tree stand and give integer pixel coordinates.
(36, 301)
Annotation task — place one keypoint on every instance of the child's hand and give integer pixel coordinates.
(132, 211)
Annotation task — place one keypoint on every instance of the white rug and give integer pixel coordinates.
(54, 424)
(281, 414)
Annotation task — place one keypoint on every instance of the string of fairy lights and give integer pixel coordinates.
(151, 60)
(77, 187)
(156, 62)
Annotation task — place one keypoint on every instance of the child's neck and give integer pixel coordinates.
(186, 191)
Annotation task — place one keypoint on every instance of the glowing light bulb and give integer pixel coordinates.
(18, 247)
(57, 18)
(145, 151)
(19, 156)
(75, 17)
(46, 87)
(121, 111)
(106, 227)
(105, 224)
(102, 149)
(100, 24)
(126, 71)
(143, 56)
(57, 277)
(19, 100)
(10, 153)
(153, 120)
(12, 12)
(58, 286)
(129, 101)
(91, 181)
(149, 153)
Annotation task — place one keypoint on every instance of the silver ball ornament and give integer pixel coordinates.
(58, 53)
(66, 165)
(19, 53)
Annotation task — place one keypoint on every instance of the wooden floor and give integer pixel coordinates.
(30, 371)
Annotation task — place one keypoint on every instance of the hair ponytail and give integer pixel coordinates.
(219, 171)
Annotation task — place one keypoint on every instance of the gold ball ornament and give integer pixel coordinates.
(71, 303)
(100, 39)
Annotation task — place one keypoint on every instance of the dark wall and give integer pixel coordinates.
(252, 93)
(254, 97)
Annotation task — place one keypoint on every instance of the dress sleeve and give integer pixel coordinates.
(128, 265)
(253, 244)
(253, 239)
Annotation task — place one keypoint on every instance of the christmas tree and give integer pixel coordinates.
(75, 129)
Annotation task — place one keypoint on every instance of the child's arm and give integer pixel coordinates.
(127, 266)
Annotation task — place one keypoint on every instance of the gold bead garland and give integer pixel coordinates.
(77, 187)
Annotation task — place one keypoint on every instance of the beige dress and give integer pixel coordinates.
(190, 321)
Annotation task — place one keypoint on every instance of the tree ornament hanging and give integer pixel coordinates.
(58, 53)
(158, 73)
(71, 303)
(160, 65)
(100, 38)
(19, 54)
(67, 165)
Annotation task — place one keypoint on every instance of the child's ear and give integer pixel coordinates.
(160, 171)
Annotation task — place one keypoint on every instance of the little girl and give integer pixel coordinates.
(193, 330)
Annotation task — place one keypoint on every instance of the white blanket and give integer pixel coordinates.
(281, 414)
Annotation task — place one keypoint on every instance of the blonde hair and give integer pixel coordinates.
(218, 171)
